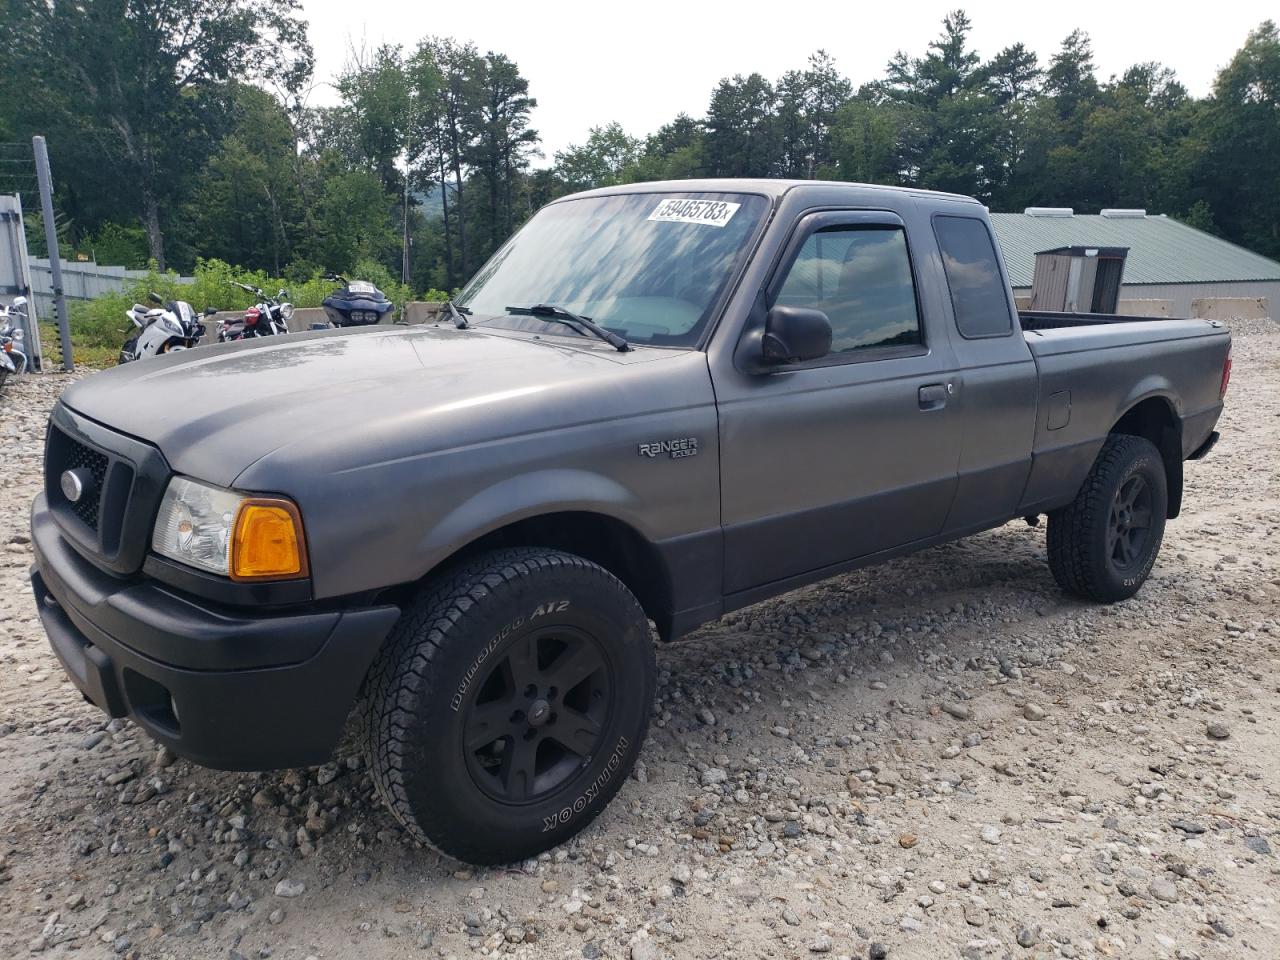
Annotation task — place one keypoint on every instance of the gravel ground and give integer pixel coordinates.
(940, 757)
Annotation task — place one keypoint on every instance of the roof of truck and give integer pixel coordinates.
(1161, 249)
(767, 187)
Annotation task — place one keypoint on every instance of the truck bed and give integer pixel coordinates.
(1053, 319)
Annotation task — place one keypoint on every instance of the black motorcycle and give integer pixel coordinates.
(357, 303)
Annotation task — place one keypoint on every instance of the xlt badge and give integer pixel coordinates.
(675, 449)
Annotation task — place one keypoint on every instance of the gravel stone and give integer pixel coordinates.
(289, 888)
(794, 746)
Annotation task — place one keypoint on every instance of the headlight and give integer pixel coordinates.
(229, 533)
(286, 310)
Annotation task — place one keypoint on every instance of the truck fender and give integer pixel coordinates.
(1152, 385)
(1168, 438)
(523, 496)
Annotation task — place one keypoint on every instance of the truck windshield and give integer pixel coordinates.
(648, 266)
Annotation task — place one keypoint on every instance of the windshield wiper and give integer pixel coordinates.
(557, 314)
(456, 316)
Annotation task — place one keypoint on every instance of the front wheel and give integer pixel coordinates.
(510, 704)
(1103, 544)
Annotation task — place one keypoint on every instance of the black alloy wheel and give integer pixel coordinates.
(510, 703)
(1129, 525)
(1104, 543)
(538, 716)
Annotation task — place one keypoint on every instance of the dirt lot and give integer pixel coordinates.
(942, 757)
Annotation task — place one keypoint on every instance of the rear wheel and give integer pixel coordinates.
(1103, 545)
(510, 704)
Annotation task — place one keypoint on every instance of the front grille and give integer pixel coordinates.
(123, 479)
(78, 455)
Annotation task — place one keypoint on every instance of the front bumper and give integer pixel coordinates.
(228, 688)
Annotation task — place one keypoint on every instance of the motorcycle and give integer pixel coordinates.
(358, 303)
(12, 358)
(268, 317)
(163, 329)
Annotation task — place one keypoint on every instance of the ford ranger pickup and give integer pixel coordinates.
(654, 404)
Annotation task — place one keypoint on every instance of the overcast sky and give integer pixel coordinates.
(590, 63)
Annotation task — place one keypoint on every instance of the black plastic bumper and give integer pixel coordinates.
(227, 689)
(1202, 451)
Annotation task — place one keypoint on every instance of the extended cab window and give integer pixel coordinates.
(860, 277)
(978, 294)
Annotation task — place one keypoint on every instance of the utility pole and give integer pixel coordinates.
(51, 240)
(407, 240)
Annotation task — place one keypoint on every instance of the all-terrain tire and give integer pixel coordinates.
(1103, 544)
(509, 704)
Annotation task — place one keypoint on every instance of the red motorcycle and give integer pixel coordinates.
(269, 317)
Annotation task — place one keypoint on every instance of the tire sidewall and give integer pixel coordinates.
(438, 783)
(1144, 459)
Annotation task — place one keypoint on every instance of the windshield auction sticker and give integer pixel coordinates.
(709, 213)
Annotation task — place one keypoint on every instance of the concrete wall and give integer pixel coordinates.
(421, 311)
(1145, 308)
(303, 317)
(1231, 308)
(1181, 296)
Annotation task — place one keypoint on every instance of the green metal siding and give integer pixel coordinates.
(1161, 250)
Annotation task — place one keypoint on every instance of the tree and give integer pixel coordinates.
(957, 149)
(675, 151)
(742, 135)
(456, 123)
(504, 142)
(1241, 130)
(870, 137)
(142, 80)
(353, 221)
(1011, 80)
(599, 162)
(247, 205)
(1070, 80)
(806, 110)
(371, 126)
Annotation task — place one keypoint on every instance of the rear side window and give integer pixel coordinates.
(861, 278)
(978, 294)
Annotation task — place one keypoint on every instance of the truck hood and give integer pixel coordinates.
(216, 410)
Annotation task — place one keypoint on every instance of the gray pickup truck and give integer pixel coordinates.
(655, 404)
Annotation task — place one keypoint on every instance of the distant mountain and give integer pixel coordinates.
(431, 200)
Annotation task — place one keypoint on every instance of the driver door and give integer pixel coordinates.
(857, 452)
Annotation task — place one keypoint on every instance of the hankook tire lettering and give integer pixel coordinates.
(592, 793)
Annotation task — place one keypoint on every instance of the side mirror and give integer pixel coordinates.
(154, 297)
(795, 334)
(210, 311)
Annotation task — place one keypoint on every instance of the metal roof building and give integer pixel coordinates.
(1167, 261)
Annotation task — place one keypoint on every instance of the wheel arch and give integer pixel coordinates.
(595, 525)
(599, 537)
(1155, 417)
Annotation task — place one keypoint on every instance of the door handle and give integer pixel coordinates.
(933, 396)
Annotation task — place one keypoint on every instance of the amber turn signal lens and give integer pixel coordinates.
(268, 542)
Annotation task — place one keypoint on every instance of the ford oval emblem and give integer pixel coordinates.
(72, 485)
